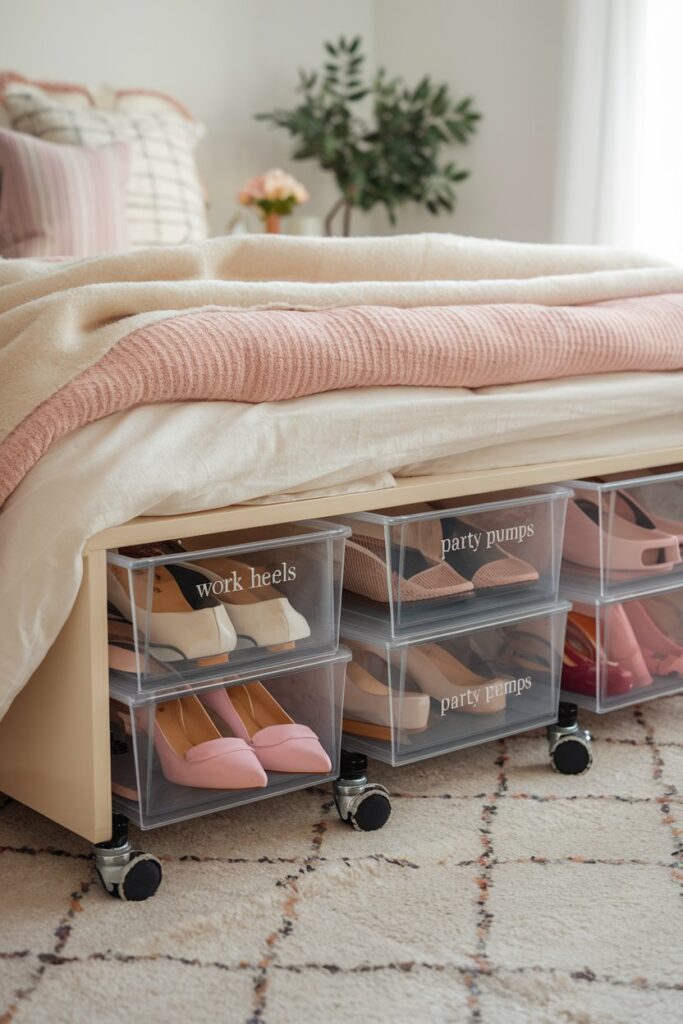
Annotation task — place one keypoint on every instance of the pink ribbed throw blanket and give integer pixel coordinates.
(219, 354)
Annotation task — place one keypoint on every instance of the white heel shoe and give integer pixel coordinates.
(197, 633)
(261, 615)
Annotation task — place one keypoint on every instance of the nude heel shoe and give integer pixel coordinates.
(368, 706)
(366, 573)
(438, 673)
(278, 742)
(125, 659)
(489, 569)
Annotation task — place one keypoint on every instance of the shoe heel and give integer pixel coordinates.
(214, 659)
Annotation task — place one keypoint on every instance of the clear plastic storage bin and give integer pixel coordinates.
(203, 749)
(416, 567)
(625, 650)
(197, 609)
(411, 699)
(624, 530)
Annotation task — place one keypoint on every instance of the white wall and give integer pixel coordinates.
(508, 55)
(227, 59)
(224, 59)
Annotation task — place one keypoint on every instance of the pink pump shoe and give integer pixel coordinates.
(281, 745)
(623, 646)
(634, 547)
(662, 655)
(192, 752)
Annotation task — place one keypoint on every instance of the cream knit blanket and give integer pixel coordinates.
(78, 338)
(57, 319)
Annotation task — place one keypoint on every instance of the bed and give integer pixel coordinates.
(155, 469)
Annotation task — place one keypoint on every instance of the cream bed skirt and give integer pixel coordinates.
(169, 459)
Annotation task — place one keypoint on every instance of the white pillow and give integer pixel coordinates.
(165, 205)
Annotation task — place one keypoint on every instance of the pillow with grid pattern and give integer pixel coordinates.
(61, 200)
(66, 92)
(164, 197)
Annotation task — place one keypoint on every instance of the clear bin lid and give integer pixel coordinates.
(128, 693)
(355, 629)
(312, 530)
(483, 502)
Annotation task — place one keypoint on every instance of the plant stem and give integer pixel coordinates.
(332, 214)
(347, 220)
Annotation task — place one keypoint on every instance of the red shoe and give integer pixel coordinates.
(580, 661)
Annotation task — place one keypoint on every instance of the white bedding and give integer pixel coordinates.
(186, 457)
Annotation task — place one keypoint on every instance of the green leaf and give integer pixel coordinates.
(422, 91)
(440, 101)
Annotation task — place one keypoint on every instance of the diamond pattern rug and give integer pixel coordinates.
(499, 891)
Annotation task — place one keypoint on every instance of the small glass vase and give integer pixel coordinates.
(273, 223)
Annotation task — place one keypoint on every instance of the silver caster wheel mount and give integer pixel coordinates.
(125, 873)
(570, 746)
(364, 805)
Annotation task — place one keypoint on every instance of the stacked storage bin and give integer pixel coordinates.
(623, 573)
(452, 616)
(226, 675)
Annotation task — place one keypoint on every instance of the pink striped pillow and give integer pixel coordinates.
(61, 200)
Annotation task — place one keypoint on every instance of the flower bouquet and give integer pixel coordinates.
(275, 194)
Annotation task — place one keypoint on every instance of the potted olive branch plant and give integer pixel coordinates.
(392, 158)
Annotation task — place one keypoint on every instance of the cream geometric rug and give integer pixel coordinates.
(498, 893)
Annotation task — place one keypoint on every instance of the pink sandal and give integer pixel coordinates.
(632, 548)
(629, 508)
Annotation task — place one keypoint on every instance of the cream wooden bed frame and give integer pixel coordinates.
(54, 741)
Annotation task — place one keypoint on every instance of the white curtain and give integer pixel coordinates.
(621, 147)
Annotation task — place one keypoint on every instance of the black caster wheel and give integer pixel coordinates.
(570, 747)
(366, 806)
(572, 755)
(141, 878)
(125, 873)
(372, 810)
